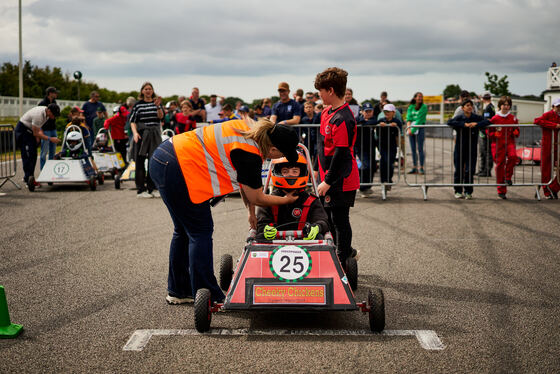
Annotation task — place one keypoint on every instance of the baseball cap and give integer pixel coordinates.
(486, 96)
(556, 102)
(244, 108)
(78, 108)
(367, 106)
(389, 108)
(55, 109)
(284, 86)
(286, 140)
(99, 109)
(51, 89)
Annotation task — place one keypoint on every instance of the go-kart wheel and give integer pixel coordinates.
(117, 182)
(352, 272)
(31, 183)
(50, 183)
(100, 178)
(202, 313)
(226, 271)
(376, 303)
(92, 183)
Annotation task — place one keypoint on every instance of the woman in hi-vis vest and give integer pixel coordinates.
(190, 169)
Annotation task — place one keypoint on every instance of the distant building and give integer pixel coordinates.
(552, 86)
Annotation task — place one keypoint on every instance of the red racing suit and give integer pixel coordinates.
(549, 122)
(503, 147)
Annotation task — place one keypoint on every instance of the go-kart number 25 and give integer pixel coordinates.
(290, 263)
(296, 265)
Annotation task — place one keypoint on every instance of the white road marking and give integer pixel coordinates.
(428, 339)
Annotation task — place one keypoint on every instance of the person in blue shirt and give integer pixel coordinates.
(466, 126)
(365, 148)
(90, 112)
(285, 111)
(227, 115)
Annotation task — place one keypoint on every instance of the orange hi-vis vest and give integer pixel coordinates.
(204, 157)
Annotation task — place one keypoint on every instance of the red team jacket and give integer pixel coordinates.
(338, 130)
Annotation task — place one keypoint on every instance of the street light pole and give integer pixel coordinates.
(20, 66)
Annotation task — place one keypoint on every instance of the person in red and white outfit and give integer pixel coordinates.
(550, 124)
(503, 144)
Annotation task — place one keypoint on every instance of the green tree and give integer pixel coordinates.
(497, 86)
(452, 91)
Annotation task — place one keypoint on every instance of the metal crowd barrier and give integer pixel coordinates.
(439, 148)
(378, 151)
(7, 155)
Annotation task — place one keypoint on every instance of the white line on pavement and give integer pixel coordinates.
(428, 339)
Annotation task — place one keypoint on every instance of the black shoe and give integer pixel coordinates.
(549, 197)
(555, 194)
(413, 171)
(502, 196)
(509, 182)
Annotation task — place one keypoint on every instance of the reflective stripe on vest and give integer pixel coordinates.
(204, 157)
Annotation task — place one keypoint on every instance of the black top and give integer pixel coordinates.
(248, 166)
(51, 123)
(199, 104)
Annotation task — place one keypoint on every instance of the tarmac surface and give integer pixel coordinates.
(84, 270)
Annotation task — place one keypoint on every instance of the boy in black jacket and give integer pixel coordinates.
(467, 126)
(287, 178)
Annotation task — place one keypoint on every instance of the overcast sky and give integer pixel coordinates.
(244, 48)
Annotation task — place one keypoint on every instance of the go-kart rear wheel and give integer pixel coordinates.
(202, 313)
(117, 182)
(31, 183)
(100, 178)
(226, 271)
(352, 272)
(376, 304)
(92, 183)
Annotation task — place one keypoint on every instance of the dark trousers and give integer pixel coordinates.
(191, 264)
(486, 161)
(143, 181)
(27, 143)
(464, 159)
(120, 146)
(339, 221)
(387, 163)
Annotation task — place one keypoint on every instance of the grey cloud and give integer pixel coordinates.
(255, 38)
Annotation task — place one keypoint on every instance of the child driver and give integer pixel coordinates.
(291, 178)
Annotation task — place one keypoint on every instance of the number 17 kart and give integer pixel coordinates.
(289, 274)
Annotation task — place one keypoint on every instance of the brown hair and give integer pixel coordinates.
(187, 104)
(227, 107)
(141, 95)
(332, 77)
(504, 100)
(258, 131)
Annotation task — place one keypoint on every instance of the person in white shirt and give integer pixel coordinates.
(29, 133)
(213, 108)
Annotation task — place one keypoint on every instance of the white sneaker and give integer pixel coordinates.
(458, 195)
(144, 195)
(468, 196)
(155, 193)
(366, 193)
(176, 300)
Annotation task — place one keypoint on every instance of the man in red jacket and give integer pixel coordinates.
(116, 125)
(550, 123)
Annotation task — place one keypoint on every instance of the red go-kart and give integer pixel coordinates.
(289, 274)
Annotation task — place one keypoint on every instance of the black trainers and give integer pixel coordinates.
(502, 196)
(509, 182)
(355, 254)
(413, 171)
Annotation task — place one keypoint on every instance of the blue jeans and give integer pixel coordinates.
(417, 142)
(191, 264)
(47, 147)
